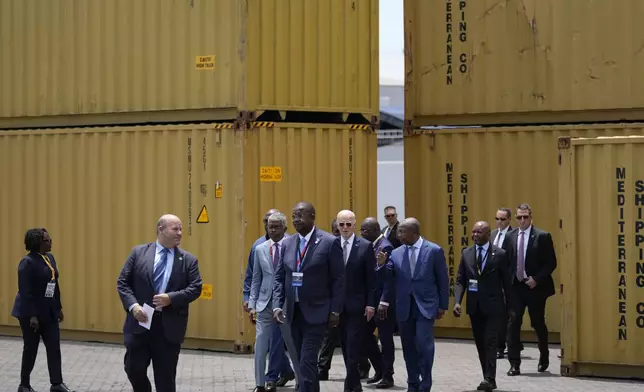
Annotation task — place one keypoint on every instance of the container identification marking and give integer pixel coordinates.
(205, 63)
(450, 20)
(270, 174)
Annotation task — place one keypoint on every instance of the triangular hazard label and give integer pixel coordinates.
(203, 215)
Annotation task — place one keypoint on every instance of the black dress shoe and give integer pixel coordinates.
(385, 383)
(376, 377)
(259, 389)
(25, 389)
(364, 374)
(500, 355)
(60, 388)
(283, 380)
(514, 371)
(323, 375)
(486, 386)
(543, 366)
(270, 386)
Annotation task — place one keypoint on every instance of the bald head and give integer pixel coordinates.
(409, 231)
(346, 223)
(169, 231)
(481, 232)
(370, 229)
(303, 217)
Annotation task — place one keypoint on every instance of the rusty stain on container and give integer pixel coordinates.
(70, 63)
(601, 204)
(97, 185)
(522, 62)
(455, 177)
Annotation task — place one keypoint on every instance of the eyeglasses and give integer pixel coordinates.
(522, 217)
(390, 215)
(347, 224)
(501, 219)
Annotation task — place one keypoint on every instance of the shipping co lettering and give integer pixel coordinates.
(451, 201)
(452, 7)
(639, 245)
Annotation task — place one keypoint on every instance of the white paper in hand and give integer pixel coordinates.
(149, 311)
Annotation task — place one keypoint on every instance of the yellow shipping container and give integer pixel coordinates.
(523, 61)
(69, 62)
(601, 204)
(455, 177)
(95, 186)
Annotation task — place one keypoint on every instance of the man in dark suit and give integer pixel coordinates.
(383, 362)
(503, 227)
(483, 272)
(167, 278)
(391, 230)
(309, 289)
(532, 261)
(419, 278)
(359, 302)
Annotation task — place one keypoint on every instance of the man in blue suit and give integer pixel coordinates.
(309, 290)
(279, 371)
(383, 362)
(421, 285)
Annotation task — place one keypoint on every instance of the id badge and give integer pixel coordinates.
(297, 279)
(49, 292)
(474, 285)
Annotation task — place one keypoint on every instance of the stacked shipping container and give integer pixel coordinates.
(512, 63)
(214, 82)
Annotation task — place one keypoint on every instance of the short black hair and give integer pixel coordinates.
(507, 211)
(524, 206)
(34, 239)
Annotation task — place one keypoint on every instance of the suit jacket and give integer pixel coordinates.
(540, 259)
(33, 276)
(385, 246)
(393, 236)
(135, 285)
(494, 283)
(261, 289)
(248, 278)
(322, 290)
(360, 273)
(429, 286)
(506, 244)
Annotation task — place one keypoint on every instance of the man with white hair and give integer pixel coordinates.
(360, 302)
(165, 277)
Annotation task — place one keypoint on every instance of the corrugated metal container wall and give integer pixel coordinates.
(100, 187)
(96, 186)
(523, 61)
(602, 187)
(465, 175)
(183, 60)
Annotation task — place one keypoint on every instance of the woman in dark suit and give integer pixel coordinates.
(38, 309)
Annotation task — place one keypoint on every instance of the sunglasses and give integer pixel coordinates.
(390, 215)
(347, 224)
(522, 217)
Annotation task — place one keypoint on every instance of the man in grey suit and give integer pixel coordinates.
(167, 278)
(309, 290)
(260, 303)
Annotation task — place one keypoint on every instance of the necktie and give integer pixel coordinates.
(498, 239)
(345, 251)
(412, 259)
(276, 254)
(479, 259)
(521, 260)
(159, 271)
(300, 256)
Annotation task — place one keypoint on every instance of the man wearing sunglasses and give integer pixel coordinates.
(503, 227)
(532, 261)
(391, 230)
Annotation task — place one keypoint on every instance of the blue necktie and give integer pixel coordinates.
(300, 257)
(159, 270)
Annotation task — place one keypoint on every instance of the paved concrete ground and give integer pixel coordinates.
(90, 367)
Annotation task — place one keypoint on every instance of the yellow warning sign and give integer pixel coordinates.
(270, 174)
(219, 190)
(203, 215)
(206, 291)
(205, 63)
